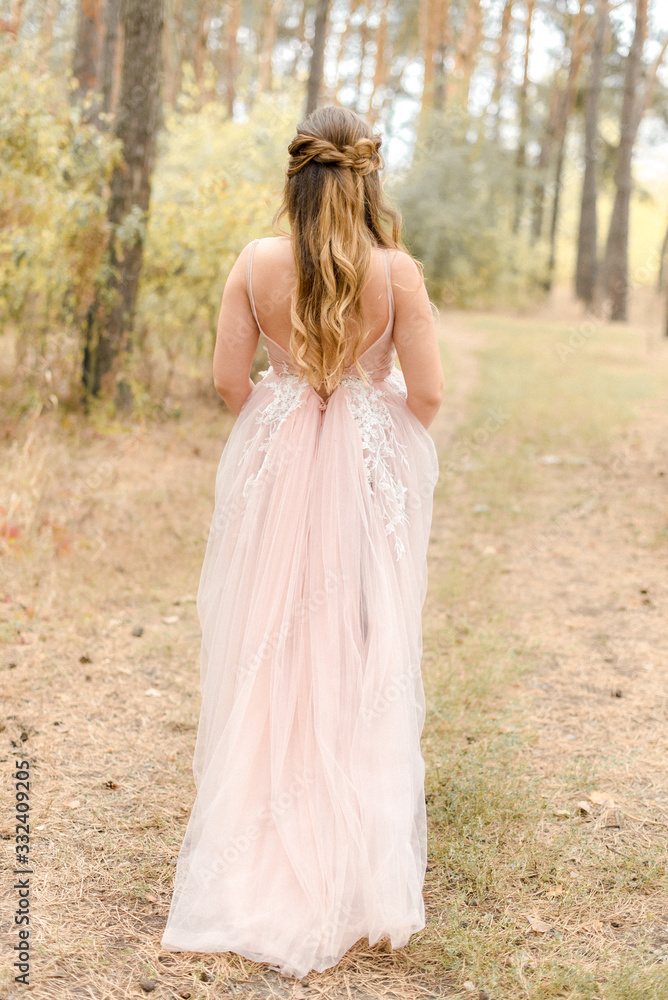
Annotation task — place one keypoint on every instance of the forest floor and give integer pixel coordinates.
(545, 667)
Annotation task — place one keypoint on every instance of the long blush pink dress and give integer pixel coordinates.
(308, 830)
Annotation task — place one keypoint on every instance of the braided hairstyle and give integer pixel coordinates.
(337, 213)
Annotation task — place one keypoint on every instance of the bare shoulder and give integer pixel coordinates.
(275, 248)
(406, 273)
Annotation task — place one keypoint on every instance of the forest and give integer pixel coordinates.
(143, 145)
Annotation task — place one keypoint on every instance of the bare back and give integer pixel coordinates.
(273, 278)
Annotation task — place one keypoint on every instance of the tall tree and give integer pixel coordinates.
(316, 71)
(300, 38)
(434, 38)
(586, 272)
(111, 316)
(617, 246)
(173, 49)
(523, 108)
(382, 64)
(467, 48)
(49, 14)
(109, 72)
(201, 38)
(561, 106)
(265, 74)
(233, 23)
(364, 35)
(87, 48)
(501, 63)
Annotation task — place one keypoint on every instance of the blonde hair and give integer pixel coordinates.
(338, 215)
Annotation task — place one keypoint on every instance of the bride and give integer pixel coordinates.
(308, 830)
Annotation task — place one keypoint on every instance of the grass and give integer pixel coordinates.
(111, 524)
(498, 855)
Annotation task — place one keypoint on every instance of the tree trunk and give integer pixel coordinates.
(87, 48)
(586, 271)
(173, 47)
(317, 56)
(112, 17)
(617, 246)
(364, 33)
(662, 263)
(111, 316)
(523, 107)
(231, 30)
(118, 67)
(466, 53)
(434, 38)
(265, 75)
(428, 43)
(442, 40)
(199, 55)
(49, 14)
(561, 108)
(300, 36)
(554, 223)
(382, 66)
(501, 64)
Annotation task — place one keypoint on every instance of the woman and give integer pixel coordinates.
(309, 827)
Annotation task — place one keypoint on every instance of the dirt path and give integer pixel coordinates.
(99, 667)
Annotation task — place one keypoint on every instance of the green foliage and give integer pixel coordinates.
(217, 185)
(53, 230)
(457, 200)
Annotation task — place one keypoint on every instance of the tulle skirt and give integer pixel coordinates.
(308, 831)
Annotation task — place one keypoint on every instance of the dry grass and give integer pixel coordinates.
(529, 627)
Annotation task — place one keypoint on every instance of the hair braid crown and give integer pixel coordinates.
(363, 156)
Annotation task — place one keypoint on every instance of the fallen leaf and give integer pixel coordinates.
(170, 619)
(153, 692)
(74, 804)
(601, 798)
(538, 926)
(584, 807)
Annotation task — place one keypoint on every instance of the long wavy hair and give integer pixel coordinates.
(337, 212)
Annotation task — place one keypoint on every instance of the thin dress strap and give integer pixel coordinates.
(249, 282)
(249, 286)
(390, 292)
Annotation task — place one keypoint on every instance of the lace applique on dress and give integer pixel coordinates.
(372, 417)
(397, 381)
(288, 395)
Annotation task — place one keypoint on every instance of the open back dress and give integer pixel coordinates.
(308, 830)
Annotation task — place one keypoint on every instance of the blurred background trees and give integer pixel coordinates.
(143, 144)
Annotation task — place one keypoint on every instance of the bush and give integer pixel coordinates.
(54, 171)
(457, 200)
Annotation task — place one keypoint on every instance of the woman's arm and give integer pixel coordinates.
(236, 339)
(415, 339)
